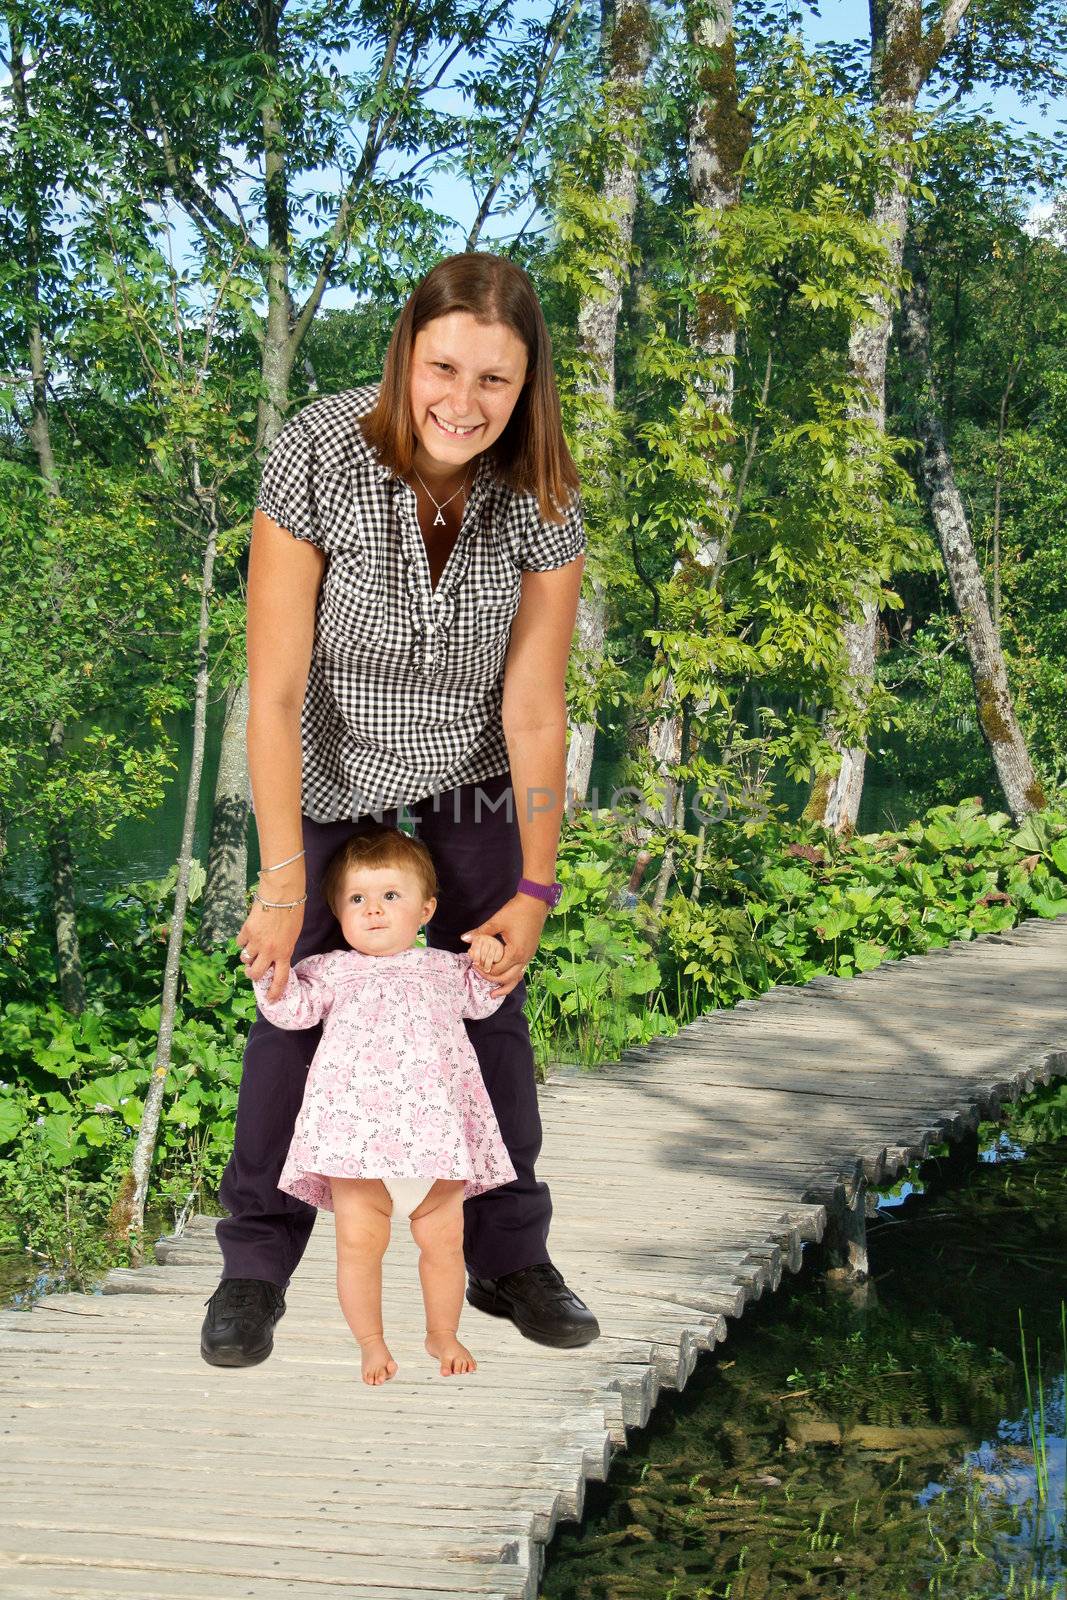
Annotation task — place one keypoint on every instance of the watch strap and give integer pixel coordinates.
(548, 892)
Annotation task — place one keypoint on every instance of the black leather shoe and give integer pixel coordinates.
(539, 1304)
(238, 1330)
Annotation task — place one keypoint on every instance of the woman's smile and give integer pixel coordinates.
(452, 430)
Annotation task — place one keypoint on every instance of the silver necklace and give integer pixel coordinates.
(439, 519)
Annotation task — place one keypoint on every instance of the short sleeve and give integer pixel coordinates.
(286, 490)
(553, 544)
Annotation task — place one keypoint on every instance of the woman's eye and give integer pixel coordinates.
(494, 378)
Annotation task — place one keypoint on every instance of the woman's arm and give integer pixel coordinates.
(534, 710)
(284, 575)
(534, 717)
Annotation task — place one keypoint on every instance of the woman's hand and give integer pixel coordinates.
(520, 924)
(269, 936)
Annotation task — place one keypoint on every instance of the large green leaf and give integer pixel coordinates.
(13, 1116)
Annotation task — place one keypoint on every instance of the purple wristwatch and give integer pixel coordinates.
(548, 892)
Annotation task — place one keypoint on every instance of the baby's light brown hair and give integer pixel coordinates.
(378, 846)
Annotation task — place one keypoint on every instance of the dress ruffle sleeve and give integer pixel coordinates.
(307, 997)
(474, 991)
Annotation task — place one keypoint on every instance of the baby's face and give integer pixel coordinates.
(381, 909)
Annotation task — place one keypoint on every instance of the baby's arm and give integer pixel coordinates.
(476, 992)
(306, 998)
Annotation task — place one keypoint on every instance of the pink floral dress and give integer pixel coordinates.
(394, 1088)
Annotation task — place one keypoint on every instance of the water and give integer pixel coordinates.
(934, 1489)
(148, 847)
(138, 848)
(25, 1275)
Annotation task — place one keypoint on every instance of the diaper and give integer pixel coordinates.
(407, 1192)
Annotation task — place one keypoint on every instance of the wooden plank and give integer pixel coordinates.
(47, 1581)
(274, 1567)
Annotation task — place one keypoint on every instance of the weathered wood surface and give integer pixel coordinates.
(685, 1180)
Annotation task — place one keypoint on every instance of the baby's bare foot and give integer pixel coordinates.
(446, 1348)
(378, 1364)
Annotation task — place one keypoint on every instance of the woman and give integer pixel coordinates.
(413, 586)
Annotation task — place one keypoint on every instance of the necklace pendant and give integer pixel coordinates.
(439, 519)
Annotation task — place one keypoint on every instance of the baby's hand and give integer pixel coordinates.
(486, 951)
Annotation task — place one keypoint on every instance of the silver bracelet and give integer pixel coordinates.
(276, 905)
(278, 864)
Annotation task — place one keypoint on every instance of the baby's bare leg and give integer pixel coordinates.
(362, 1208)
(437, 1228)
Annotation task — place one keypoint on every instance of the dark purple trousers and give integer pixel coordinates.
(477, 855)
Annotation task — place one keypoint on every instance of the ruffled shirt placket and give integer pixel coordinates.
(431, 612)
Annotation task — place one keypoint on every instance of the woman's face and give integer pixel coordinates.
(468, 374)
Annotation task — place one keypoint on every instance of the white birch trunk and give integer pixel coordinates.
(902, 57)
(225, 905)
(629, 50)
(717, 139)
(127, 1212)
(996, 713)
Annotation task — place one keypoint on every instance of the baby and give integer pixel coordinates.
(395, 1108)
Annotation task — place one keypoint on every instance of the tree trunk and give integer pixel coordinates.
(996, 713)
(718, 139)
(227, 867)
(225, 906)
(61, 860)
(64, 913)
(628, 51)
(902, 57)
(279, 343)
(998, 485)
(127, 1212)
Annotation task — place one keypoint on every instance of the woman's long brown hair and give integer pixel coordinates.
(531, 455)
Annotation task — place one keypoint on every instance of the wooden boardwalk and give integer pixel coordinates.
(684, 1180)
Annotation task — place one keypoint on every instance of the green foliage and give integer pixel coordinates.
(594, 984)
(792, 902)
(779, 903)
(774, 907)
(85, 627)
(72, 1088)
(49, 1209)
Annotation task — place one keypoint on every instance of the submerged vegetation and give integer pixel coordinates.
(870, 1449)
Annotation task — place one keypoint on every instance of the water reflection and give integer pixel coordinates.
(729, 1493)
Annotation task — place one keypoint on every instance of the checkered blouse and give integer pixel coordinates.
(406, 682)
